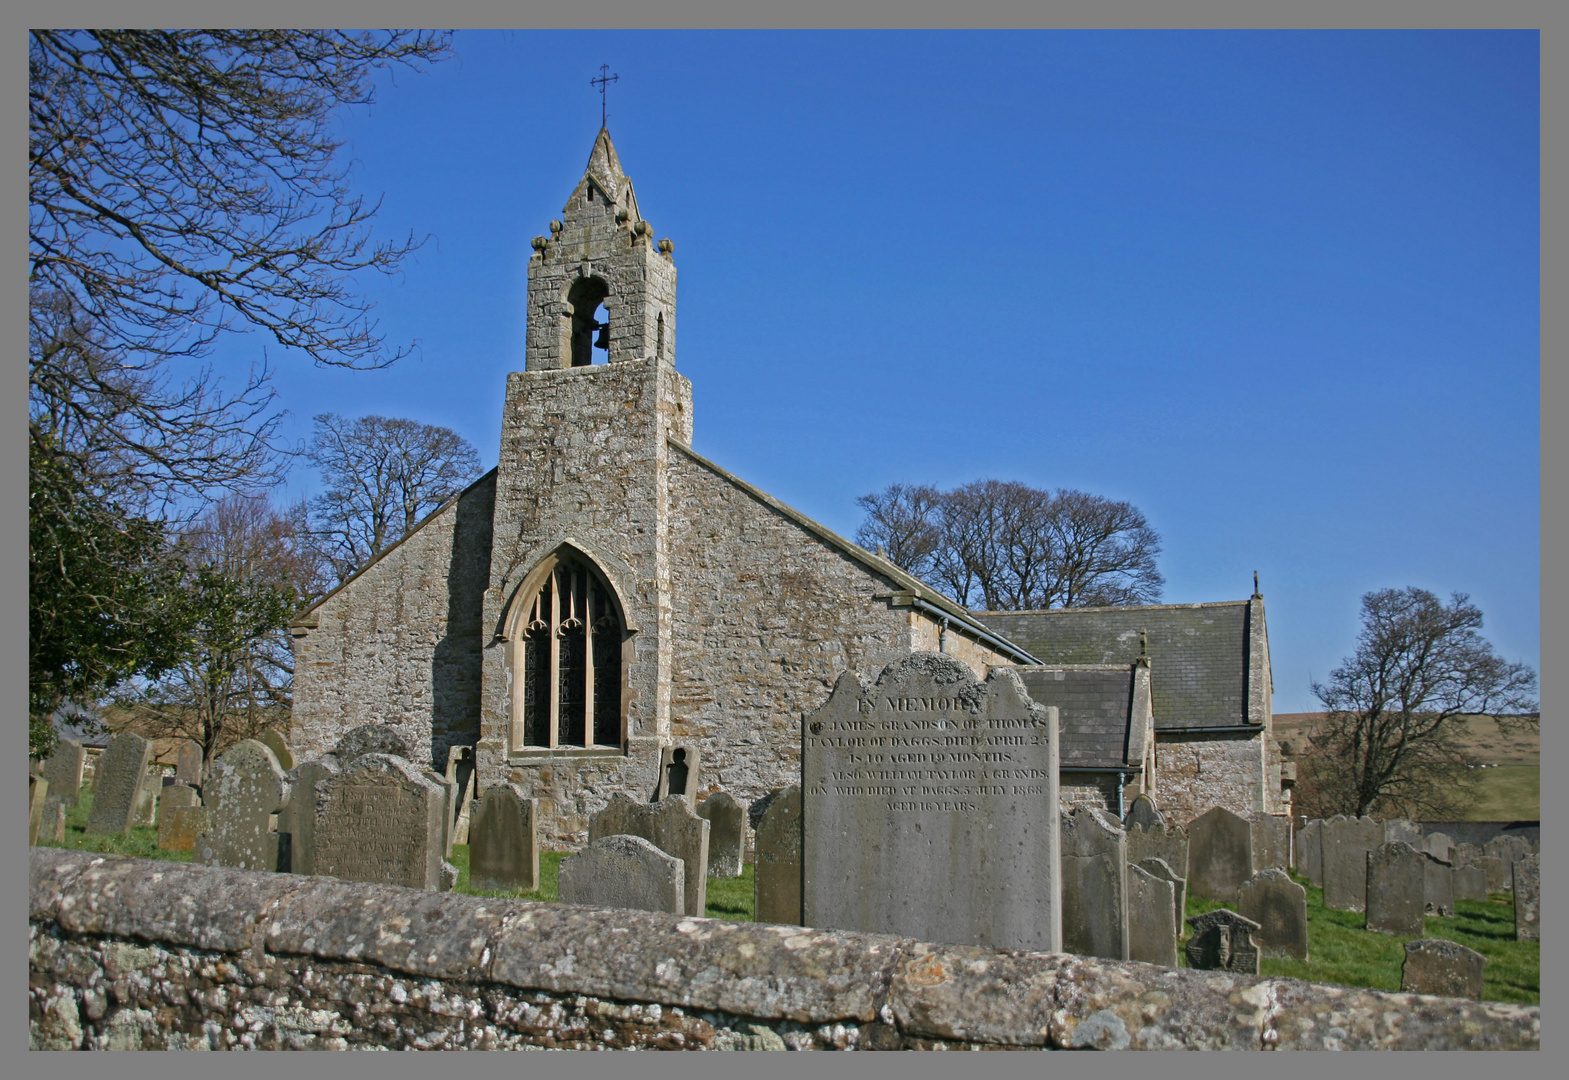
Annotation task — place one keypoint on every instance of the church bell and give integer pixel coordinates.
(603, 340)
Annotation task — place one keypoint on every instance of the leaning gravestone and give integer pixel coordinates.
(1222, 941)
(776, 884)
(460, 777)
(275, 742)
(624, 872)
(147, 798)
(63, 770)
(245, 788)
(1347, 842)
(1396, 888)
(1170, 845)
(1310, 853)
(1438, 890)
(371, 739)
(1437, 845)
(37, 796)
(930, 808)
(726, 833)
(504, 842)
(1179, 888)
(1527, 885)
(1279, 906)
(1445, 968)
(379, 820)
(188, 763)
(54, 822)
(1220, 854)
(672, 828)
(1151, 936)
(117, 783)
(1095, 898)
(1270, 837)
(1470, 883)
(1143, 814)
(297, 819)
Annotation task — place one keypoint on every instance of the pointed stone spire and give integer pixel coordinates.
(604, 167)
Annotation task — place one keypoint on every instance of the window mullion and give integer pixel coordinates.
(588, 660)
(555, 655)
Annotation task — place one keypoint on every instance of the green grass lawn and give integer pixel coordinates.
(141, 841)
(1508, 793)
(1341, 951)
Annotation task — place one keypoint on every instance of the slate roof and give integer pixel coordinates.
(1093, 707)
(1198, 652)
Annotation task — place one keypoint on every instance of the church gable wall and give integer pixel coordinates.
(400, 643)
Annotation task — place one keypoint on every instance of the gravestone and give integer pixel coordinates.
(379, 820)
(1220, 854)
(54, 822)
(1470, 883)
(146, 813)
(117, 783)
(1437, 845)
(37, 796)
(1403, 831)
(504, 841)
(1506, 849)
(1144, 814)
(63, 770)
(1526, 881)
(624, 872)
(371, 739)
(726, 833)
(275, 742)
(930, 808)
(460, 775)
(1310, 852)
(1496, 870)
(1464, 854)
(1438, 890)
(448, 798)
(297, 819)
(1152, 938)
(245, 788)
(1179, 889)
(1095, 914)
(178, 827)
(1222, 941)
(759, 807)
(776, 884)
(175, 796)
(1396, 887)
(188, 763)
(1445, 968)
(672, 827)
(679, 773)
(1170, 845)
(1347, 842)
(1279, 906)
(1270, 836)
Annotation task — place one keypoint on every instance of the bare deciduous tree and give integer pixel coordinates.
(1006, 546)
(1389, 743)
(382, 476)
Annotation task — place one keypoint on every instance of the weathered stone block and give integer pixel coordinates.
(1470, 883)
(672, 827)
(178, 827)
(1347, 842)
(1094, 885)
(188, 763)
(1310, 853)
(1270, 838)
(63, 770)
(624, 872)
(298, 817)
(1445, 968)
(37, 795)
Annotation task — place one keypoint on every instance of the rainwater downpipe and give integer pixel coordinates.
(1122, 782)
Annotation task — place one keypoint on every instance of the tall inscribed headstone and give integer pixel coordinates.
(380, 820)
(117, 783)
(929, 808)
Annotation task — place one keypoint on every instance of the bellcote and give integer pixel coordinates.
(599, 288)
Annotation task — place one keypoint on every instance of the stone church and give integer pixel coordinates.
(606, 596)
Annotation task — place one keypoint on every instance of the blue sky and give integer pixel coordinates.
(1279, 290)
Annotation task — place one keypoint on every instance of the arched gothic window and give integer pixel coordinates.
(567, 675)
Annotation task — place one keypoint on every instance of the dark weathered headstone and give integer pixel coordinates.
(1169, 845)
(1151, 937)
(776, 884)
(624, 872)
(1437, 845)
(680, 769)
(930, 808)
(63, 770)
(279, 746)
(1179, 889)
(1270, 837)
(1470, 883)
(1094, 885)
(1506, 848)
(1438, 890)
(1464, 854)
(726, 833)
(188, 763)
(146, 813)
(504, 841)
(1403, 831)
(1396, 887)
(379, 820)
(1347, 842)
(1310, 853)
(37, 796)
(175, 796)
(178, 827)
(117, 783)
(245, 788)
(297, 819)
(1143, 814)
(1220, 854)
(371, 739)
(1222, 941)
(1279, 906)
(1496, 869)
(672, 827)
(1444, 968)
(1526, 881)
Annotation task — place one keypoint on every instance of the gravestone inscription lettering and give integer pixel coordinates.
(379, 820)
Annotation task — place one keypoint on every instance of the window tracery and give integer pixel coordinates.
(568, 660)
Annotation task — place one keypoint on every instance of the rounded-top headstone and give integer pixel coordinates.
(622, 871)
(275, 742)
(245, 787)
(1279, 906)
(727, 833)
(1220, 854)
(371, 739)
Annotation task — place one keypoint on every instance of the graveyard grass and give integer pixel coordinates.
(1341, 951)
(141, 841)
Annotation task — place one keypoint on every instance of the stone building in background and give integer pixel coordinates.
(606, 593)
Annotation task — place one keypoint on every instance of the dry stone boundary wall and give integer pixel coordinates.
(135, 954)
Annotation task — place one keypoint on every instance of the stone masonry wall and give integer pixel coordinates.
(400, 642)
(134, 954)
(1196, 771)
